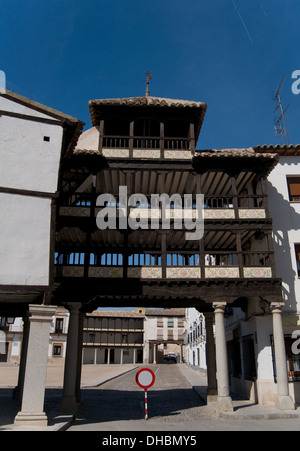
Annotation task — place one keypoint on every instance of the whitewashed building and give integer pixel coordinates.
(33, 140)
(195, 339)
(249, 334)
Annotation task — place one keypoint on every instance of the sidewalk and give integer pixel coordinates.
(243, 409)
(92, 376)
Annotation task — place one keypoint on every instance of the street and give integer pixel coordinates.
(173, 406)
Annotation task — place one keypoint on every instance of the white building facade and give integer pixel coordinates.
(249, 334)
(195, 339)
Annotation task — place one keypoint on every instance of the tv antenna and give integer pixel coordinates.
(280, 123)
(149, 77)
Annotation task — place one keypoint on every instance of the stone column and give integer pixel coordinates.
(147, 353)
(33, 396)
(69, 401)
(212, 392)
(154, 353)
(224, 402)
(284, 401)
(18, 391)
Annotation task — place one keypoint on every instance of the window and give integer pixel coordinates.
(59, 324)
(92, 338)
(297, 252)
(57, 350)
(294, 188)
(124, 339)
(170, 322)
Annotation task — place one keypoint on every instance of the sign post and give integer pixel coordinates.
(145, 378)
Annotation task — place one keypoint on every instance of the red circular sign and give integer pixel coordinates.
(145, 378)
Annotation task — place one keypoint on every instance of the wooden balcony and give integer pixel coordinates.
(147, 148)
(214, 208)
(183, 266)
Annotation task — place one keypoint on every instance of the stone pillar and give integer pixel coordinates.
(212, 392)
(69, 399)
(134, 355)
(33, 396)
(284, 401)
(147, 352)
(18, 391)
(154, 353)
(224, 402)
(122, 356)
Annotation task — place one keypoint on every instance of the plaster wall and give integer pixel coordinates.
(27, 161)
(286, 226)
(24, 240)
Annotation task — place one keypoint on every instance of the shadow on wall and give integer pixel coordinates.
(285, 220)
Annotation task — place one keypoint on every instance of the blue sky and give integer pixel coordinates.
(230, 54)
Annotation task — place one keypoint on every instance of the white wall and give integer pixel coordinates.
(26, 162)
(24, 240)
(286, 227)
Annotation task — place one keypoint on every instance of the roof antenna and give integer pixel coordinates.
(149, 77)
(280, 123)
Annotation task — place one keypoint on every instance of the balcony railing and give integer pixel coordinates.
(145, 142)
(172, 265)
(214, 207)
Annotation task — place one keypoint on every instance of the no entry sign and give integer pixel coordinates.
(145, 378)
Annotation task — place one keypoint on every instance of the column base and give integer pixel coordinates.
(285, 403)
(31, 419)
(224, 404)
(211, 395)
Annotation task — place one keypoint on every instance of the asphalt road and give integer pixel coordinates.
(173, 406)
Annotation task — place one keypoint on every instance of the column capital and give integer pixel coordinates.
(276, 307)
(219, 307)
(43, 313)
(74, 306)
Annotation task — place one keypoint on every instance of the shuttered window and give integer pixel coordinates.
(294, 188)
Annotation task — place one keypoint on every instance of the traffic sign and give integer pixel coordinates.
(145, 378)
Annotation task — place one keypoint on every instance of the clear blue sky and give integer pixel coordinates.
(230, 54)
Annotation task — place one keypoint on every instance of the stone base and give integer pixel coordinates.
(285, 403)
(224, 404)
(31, 419)
(211, 396)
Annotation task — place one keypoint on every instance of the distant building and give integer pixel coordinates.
(164, 333)
(113, 337)
(109, 337)
(195, 339)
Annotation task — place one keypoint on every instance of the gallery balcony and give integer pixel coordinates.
(150, 266)
(242, 207)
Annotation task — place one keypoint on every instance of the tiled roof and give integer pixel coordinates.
(284, 150)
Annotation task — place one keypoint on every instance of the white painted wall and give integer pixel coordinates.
(30, 163)
(27, 161)
(24, 240)
(286, 226)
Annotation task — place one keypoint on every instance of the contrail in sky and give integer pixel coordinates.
(243, 22)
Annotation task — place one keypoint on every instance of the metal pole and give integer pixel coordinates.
(146, 405)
